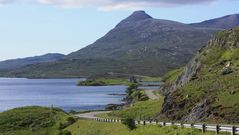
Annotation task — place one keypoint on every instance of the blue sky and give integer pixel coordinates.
(36, 27)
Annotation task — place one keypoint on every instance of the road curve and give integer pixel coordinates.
(151, 94)
(90, 115)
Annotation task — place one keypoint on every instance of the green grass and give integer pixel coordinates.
(150, 79)
(32, 120)
(171, 76)
(114, 81)
(83, 127)
(139, 110)
(221, 90)
(104, 82)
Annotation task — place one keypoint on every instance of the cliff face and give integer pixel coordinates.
(208, 87)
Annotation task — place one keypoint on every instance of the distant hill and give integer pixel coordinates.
(207, 88)
(18, 63)
(139, 45)
(226, 22)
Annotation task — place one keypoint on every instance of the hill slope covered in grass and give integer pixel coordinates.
(33, 121)
(207, 89)
(83, 127)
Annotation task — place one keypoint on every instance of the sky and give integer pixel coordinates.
(36, 27)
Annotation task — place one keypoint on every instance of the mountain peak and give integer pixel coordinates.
(135, 17)
(138, 15)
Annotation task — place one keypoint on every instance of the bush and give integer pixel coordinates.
(131, 88)
(65, 132)
(71, 120)
(130, 123)
(91, 83)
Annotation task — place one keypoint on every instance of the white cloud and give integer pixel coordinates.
(6, 1)
(111, 4)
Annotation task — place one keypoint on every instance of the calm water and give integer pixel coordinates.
(61, 93)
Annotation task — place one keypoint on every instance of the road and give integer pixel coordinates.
(90, 115)
(151, 94)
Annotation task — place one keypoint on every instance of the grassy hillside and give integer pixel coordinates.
(33, 121)
(211, 93)
(83, 127)
(139, 110)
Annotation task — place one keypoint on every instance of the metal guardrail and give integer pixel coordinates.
(203, 127)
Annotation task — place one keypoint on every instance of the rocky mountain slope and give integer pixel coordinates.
(139, 45)
(226, 22)
(18, 63)
(207, 89)
(147, 45)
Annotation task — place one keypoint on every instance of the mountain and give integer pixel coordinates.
(145, 45)
(18, 63)
(207, 88)
(226, 22)
(139, 44)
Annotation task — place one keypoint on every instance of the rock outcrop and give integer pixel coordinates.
(203, 90)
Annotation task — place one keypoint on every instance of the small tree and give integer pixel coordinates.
(131, 88)
(133, 79)
(130, 123)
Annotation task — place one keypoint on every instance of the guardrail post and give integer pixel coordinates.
(164, 124)
(203, 128)
(192, 125)
(156, 122)
(233, 130)
(144, 122)
(181, 124)
(217, 129)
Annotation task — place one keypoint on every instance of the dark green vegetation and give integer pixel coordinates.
(138, 45)
(104, 82)
(129, 122)
(83, 127)
(18, 63)
(134, 94)
(91, 83)
(208, 87)
(34, 121)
